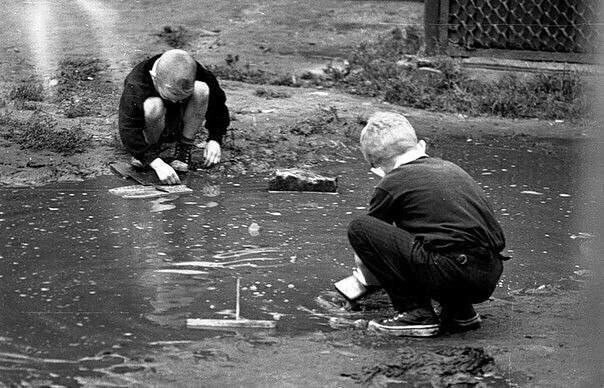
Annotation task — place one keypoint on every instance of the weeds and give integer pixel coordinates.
(41, 131)
(72, 70)
(78, 77)
(27, 91)
(384, 68)
(389, 68)
(271, 93)
(176, 37)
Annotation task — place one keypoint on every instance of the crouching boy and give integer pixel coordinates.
(430, 233)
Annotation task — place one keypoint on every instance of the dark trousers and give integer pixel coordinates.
(412, 275)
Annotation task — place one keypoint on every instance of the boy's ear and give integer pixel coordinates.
(422, 145)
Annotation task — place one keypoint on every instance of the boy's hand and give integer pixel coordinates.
(165, 172)
(212, 153)
(378, 171)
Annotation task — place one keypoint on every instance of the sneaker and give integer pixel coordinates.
(182, 157)
(421, 322)
(460, 318)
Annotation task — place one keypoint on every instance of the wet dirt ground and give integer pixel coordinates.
(97, 288)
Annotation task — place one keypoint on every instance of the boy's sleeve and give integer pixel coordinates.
(380, 206)
(131, 125)
(217, 116)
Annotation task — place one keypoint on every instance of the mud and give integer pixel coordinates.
(443, 367)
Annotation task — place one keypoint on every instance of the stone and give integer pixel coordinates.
(295, 179)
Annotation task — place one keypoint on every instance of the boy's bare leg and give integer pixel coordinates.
(155, 119)
(155, 123)
(193, 118)
(195, 111)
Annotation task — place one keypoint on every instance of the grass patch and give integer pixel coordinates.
(29, 90)
(80, 86)
(72, 70)
(42, 132)
(176, 37)
(384, 68)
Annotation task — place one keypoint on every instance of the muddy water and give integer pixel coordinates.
(85, 272)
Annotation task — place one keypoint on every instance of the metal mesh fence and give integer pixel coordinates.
(539, 25)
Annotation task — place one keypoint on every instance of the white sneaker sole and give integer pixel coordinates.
(468, 324)
(407, 331)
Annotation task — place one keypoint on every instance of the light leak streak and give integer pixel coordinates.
(104, 20)
(37, 26)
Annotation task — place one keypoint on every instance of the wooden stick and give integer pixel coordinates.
(194, 323)
(237, 301)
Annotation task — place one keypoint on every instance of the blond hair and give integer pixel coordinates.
(386, 136)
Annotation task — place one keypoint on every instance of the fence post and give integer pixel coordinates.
(431, 28)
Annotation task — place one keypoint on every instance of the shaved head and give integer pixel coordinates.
(174, 74)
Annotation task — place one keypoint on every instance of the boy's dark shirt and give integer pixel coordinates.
(138, 86)
(439, 202)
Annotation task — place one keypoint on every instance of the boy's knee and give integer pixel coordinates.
(357, 227)
(201, 91)
(154, 109)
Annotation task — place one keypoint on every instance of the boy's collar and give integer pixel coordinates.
(409, 156)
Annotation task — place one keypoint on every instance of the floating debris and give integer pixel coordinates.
(159, 206)
(254, 229)
(581, 235)
(182, 271)
(531, 192)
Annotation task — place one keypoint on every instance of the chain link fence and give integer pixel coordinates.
(566, 26)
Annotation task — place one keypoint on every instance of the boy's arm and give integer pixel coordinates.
(381, 205)
(217, 115)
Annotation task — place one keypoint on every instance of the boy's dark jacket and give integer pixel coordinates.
(439, 203)
(138, 86)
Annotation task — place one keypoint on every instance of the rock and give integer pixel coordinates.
(316, 74)
(295, 179)
(338, 68)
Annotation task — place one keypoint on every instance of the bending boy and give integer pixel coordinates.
(430, 233)
(166, 99)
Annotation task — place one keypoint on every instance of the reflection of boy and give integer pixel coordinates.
(430, 233)
(167, 98)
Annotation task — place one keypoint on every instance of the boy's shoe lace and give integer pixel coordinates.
(182, 157)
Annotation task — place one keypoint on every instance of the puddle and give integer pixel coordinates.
(82, 269)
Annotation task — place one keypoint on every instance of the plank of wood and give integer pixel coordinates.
(195, 323)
